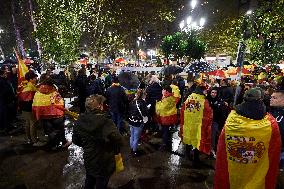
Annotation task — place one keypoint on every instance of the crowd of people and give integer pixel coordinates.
(238, 130)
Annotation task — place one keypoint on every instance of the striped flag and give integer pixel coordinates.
(22, 70)
(166, 111)
(248, 153)
(196, 120)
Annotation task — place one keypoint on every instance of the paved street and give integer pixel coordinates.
(23, 166)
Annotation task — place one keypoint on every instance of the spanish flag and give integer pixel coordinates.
(22, 70)
(248, 153)
(196, 120)
(166, 111)
(176, 92)
(28, 92)
(47, 103)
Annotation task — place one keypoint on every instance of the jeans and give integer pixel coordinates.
(214, 135)
(99, 182)
(134, 136)
(166, 134)
(282, 160)
(54, 128)
(118, 120)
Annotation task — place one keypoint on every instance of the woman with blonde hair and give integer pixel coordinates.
(138, 116)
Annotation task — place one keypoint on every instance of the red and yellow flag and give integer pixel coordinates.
(166, 111)
(22, 70)
(176, 92)
(27, 93)
(47, 105)
(196, 120)
(248, 153)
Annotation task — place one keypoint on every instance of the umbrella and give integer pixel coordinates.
(199, 67)
(119, 60)
(171, 70)
(218, 73)
(128, 80)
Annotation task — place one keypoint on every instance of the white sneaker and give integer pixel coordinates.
(39, 144)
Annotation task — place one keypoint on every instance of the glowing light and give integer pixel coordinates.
(181, 25)
(202, 22)
(188, 20)
(249, 12)
(193, 4)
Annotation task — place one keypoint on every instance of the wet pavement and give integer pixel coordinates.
(25, 167)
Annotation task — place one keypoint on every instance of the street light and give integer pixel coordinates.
(194, 25)
(202, 22)
(181, 25)
(249, 12)
(188, 20)
(193, 3)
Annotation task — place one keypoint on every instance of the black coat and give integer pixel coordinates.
(81, 85)
(117, 99)
(278, 114)
(95, 87)
(220, 112)
(96, 133)
(153, 93)
(135, 118)
(227, 94)
(7, 95)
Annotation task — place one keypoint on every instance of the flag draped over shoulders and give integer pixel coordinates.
(166, 111)
(248, 153)
(196, 120)
(27, 93)
(47, 103)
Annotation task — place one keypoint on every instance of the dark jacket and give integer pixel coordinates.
(96, 133)
(153, 93)
(227, 94)
(81, 84)
(116, 99)
(135, 119)
(278, 114)
(220, 112)
(7, 95)
(95, 87)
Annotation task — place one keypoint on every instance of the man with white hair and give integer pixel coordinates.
(96, 133)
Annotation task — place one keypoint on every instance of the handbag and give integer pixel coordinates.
(118, 163)
(145, 118)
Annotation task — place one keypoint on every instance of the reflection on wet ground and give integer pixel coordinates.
(23, 166)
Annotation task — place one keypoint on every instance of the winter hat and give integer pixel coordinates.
(253, 94)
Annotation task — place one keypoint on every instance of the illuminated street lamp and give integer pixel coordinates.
(188, 20)
(193, 3)
(181, 25)
(202, 22)
(249, 12)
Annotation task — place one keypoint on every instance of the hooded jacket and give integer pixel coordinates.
(96, 133)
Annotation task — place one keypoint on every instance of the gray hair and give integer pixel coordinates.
(94, 102)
